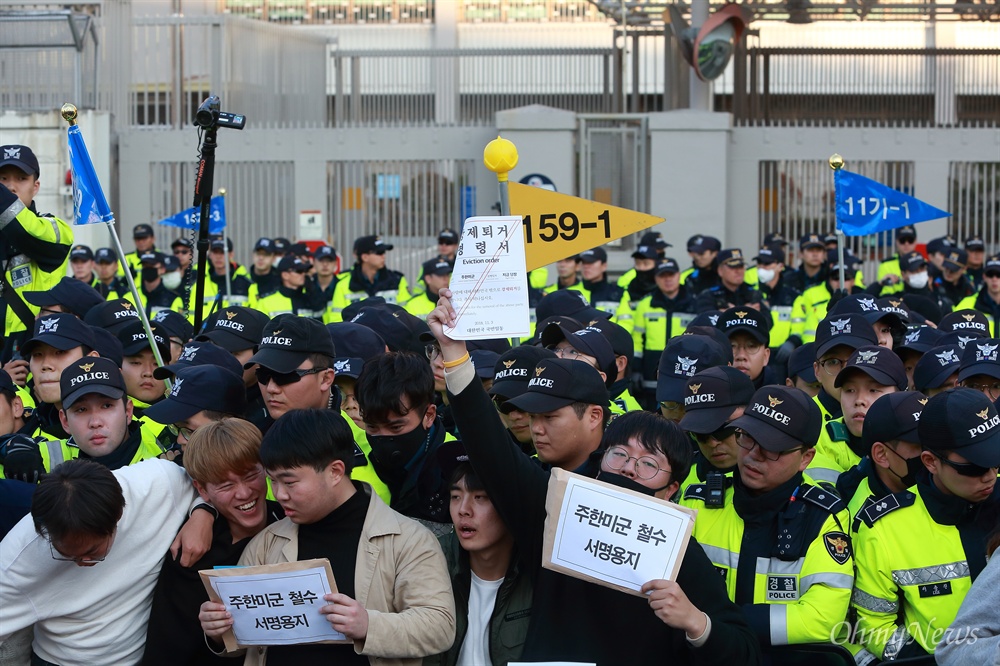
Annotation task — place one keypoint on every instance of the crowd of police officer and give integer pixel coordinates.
(843, 438)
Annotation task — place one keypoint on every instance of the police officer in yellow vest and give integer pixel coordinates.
(987, 299)
(296, 295)
(33, 247)
(836, 339)
(621, 344)
(869, 373)
(659, 317)
(145, 241)
(295, 371)
(781, 542)
(893, 460)
(435, 274)
(788, 314)
(604, 295)
(369, 277)
(890, 274)
(567, 272)
(97, 414)
(919, 550)
(715, 397)
(109, 283)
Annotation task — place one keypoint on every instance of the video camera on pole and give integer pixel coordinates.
(208, 119)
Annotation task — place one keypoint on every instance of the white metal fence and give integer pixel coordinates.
(273, 74)
(259, 200)
(974, 202)
(797, 198)
(407, 202)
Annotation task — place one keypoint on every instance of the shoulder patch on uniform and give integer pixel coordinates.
(882, 507)
(838, 545)
(837, 431)
(822, 497)
(696, 491)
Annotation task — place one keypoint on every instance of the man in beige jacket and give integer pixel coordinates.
(394, 597)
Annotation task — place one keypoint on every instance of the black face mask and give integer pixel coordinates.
(391, 453)
(647, 276)
(150, 274)
(625, 482)
(913, 467)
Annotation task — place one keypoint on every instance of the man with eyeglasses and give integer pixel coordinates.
(642, 452)
(238, 330)
(369, 277)
(979, 369)
(296, 295)
(869, 373)
(781, 541)
(748, 331)
(987, 299)
(183, 249)
(836, 339)
(82, 569)
(919, 550)
(716, 397)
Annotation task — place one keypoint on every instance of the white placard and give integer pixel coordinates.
(616, 537)
(276, 607)
(489, 284)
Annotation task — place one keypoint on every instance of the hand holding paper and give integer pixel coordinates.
(346, 615)
(671, 605)
(215, 619)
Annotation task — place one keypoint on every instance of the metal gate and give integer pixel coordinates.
(797, 198)
(407, 202)
(259, 201)
(974, 202)
(613, 163)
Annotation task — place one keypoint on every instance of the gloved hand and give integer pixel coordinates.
(21, 458)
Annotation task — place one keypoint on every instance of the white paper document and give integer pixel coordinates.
(489, 283)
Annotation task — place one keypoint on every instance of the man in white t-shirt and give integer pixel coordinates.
(82, 567)
(483, 567)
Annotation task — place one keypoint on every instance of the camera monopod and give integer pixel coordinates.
(208, 119)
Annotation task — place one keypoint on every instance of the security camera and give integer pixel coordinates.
(709, 48)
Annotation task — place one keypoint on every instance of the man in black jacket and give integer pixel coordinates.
(689, 619)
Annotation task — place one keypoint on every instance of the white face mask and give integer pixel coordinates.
(917, 280)
(276, 261)
(765, 275)
(172, 280)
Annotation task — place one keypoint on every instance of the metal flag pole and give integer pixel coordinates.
(837, 163)
(225, 251)
(69, 114)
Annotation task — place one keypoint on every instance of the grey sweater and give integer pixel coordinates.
(974, 636)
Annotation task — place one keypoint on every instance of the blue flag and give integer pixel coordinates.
(865, 206)
(89, 204)
(188, 219)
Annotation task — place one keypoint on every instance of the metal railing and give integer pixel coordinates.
(274, 74)
(974, 202)
(530, 11)
(465, 87)
(331, 12)
(875, 87)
